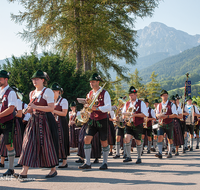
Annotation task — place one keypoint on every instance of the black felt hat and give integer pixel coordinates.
(56, 86)
(96, 77)
(194, 102)
(146, 100)
(132, 89)
(72, 104)
(188, 98)
(155, 101)
(4, 74)
(172, 97)
(14, 88)
(163, 92)
(39, 74)
(177, 97)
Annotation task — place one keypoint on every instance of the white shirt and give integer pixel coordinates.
(73, 113)
(28, 115)
(179, 110)
(152, 113)
(48, 95)
(12, 97)
(173, 108)
(189, 108)
(107, 101)
(132, 104)
(19, 104)
(63, 103)
(112, 114)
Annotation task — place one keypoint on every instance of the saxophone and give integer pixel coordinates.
(86, 111)
(119, 114)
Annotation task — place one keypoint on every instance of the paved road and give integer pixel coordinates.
(182, 172)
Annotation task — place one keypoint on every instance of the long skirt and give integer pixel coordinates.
(74, 135)
(111, 133)
(96, 144)
(17, 139)
(63, 137)
(40, 143)
(177, 133)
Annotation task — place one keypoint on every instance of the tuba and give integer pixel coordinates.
(119, 114)
(86, 111)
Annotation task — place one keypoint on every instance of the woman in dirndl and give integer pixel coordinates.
(18, 131)
(178, 137)
(60, 113)
(73, 129)
(40, 147)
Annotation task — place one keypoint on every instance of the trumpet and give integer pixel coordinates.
(86, 111)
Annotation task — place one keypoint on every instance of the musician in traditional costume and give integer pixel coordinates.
(98, 121)
(60, 113)
(73, 129)
(155, 137)
(197, 125)
(40, 143)
(178, 137)
(134, 110)
(8, 101)
(165, 112)
(147, 126)
(190, 120)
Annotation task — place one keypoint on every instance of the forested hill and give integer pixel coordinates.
(171, 71)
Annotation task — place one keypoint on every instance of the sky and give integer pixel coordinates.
(181, 14)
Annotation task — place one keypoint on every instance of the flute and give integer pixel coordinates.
(29, 103)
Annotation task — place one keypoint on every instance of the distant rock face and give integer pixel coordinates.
(158, 37)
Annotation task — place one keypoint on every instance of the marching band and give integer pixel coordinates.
(40, 135)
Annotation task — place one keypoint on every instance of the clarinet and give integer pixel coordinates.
(29, 103)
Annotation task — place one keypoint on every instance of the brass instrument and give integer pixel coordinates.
(118, 113)
(86, 111)
(163, 111)
(129, 119)
(145, 122)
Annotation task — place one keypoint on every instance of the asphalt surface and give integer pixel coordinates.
(179, 172)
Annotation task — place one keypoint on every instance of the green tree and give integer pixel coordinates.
(119, 89)
(136, 81)
(93, 32)
(153, 88)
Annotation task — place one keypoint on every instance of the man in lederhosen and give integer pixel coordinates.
(98, 122)
(8, 101)
(134, 125)
(165, 112)
(147, 126)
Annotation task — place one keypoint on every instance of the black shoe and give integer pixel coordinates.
(61, 160)
(142, 153)
(79, 161)
(18, 166)
(65, 166)
(139, 161)
(124, 156)
(116, 156)
(52, 175)
(18, 176)
(177, 154)
(197, 147)
(96, 161)
(153, 149)
(186, 148)
(159, 155)
(191, 149)
(2, 165)
(184, 151)
(6, 159)
(163, 149)
(9, 172)
(148, 152)
(173, 151)
(169, 155)
(110, 154)
(104, 167)
(127, 159)
(166, 153)
(84, 166)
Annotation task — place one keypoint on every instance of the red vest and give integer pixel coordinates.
(136, 120)
(42, 101)
(5, 106)
(149, 123)
(58, 107)
(169, 112)
(98, 115)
